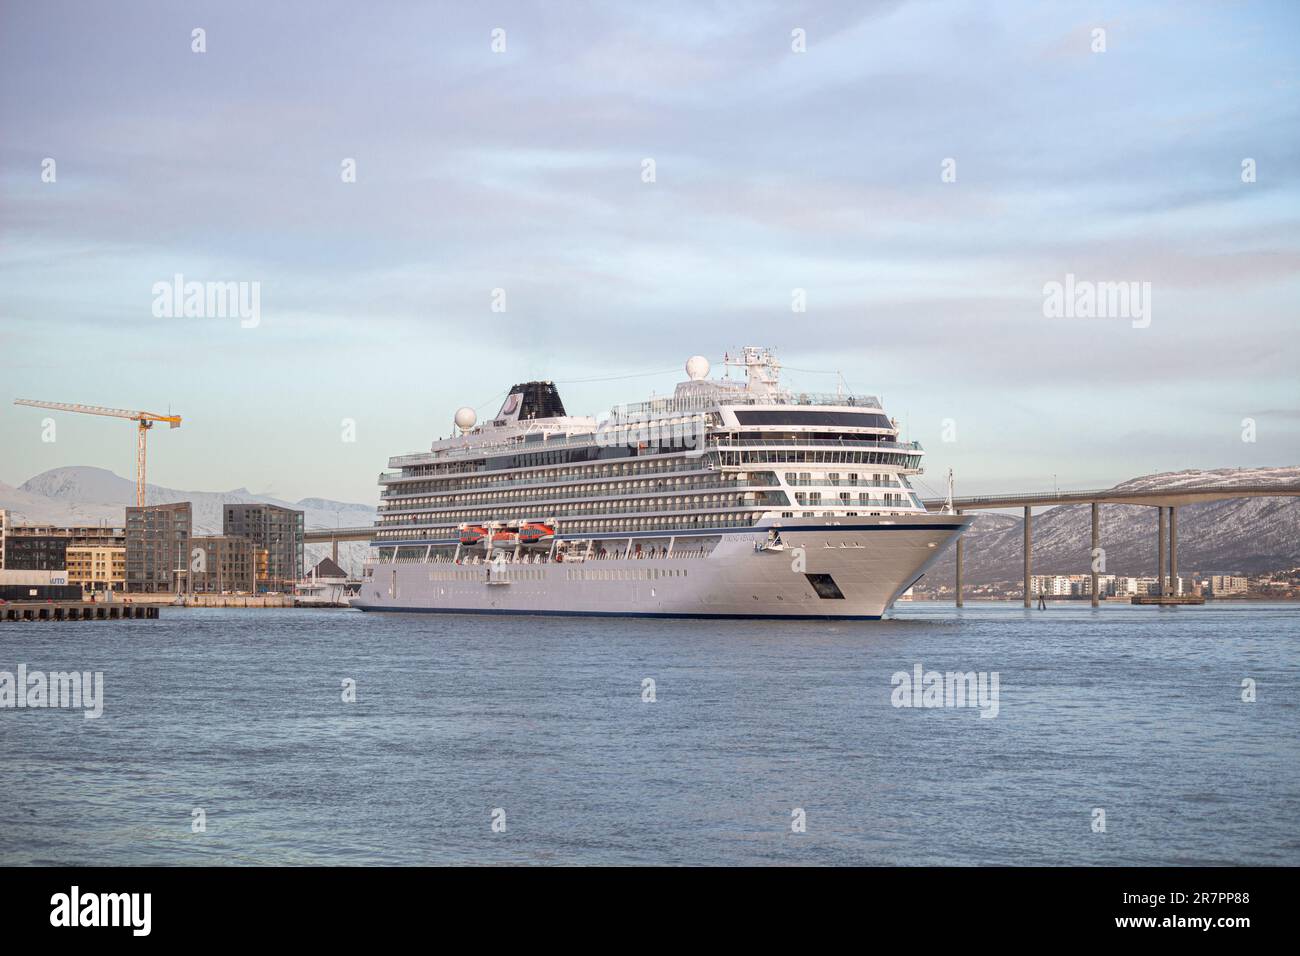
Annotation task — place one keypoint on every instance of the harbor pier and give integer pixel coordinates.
(75, 611)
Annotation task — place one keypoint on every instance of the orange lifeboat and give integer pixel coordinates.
(533, 532)
(472, 535)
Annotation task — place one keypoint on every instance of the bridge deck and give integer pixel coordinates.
(1178, 495)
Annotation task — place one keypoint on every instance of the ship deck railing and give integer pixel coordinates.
(591, 439)
(728, 443)
(393, 476)
(462, 517)
(654, 525)
(478, 560)
(739, 487)
(703, 402)
(842, 483)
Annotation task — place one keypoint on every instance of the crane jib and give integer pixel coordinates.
(143, 420)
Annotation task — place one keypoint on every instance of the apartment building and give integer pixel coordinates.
(220, 563)
(157, 547)
(275, 530)
(43, 547)
(97, 567)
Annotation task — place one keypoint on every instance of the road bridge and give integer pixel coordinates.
(1167, 499)
(332, 537)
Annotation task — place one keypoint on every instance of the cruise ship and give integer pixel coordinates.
(731, 499)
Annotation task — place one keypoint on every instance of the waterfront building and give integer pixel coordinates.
(1050, 585)
(97, 567)
(43, 547)
(220, 563)
(1221, 584)
(157, 547)
(1127, 587)
(275, 530)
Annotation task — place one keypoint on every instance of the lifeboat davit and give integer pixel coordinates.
(533, 532)
(472, 535)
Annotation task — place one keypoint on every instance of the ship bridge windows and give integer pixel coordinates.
(807, 417)
(819, 456)
(829, 438)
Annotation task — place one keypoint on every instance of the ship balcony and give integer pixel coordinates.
(516, 445)
(564, 513)
(620, 488)
(484, 483)
(667, 525)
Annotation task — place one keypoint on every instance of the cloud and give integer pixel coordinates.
(774, 171)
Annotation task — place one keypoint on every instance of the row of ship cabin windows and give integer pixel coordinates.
(668, 522)
(560, 510)
(579, 491)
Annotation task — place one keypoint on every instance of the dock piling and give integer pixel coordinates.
(1029, 554)
(1096, 543)
(1160, 554)
(1173, 549)
(959, 557)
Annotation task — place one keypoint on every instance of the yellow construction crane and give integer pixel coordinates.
(144, 421)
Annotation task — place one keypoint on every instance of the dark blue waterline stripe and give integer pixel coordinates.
(682, 614)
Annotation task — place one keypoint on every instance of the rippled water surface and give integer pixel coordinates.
(1134, 710)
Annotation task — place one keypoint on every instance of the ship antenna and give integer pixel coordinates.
(947, 508)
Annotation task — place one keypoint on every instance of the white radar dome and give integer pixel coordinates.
(697, 367)
(465, 418)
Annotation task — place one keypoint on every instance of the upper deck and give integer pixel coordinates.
(705, 401)
(700, 413)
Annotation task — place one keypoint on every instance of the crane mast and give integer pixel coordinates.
(144, 421)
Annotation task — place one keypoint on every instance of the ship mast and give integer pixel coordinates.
(762, 370)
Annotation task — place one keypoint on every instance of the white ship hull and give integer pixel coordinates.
(869, 561)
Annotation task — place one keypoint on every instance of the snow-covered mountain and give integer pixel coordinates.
(1243, 535)
(84, 495)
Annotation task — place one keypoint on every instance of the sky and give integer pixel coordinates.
(921, 170)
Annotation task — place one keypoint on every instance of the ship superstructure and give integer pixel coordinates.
(729, 499)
